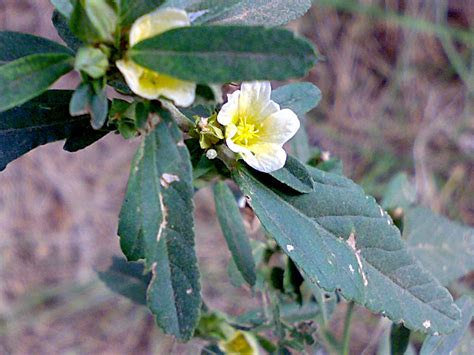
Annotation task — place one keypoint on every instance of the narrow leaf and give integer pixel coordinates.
(28, 77)
(444, 247)
(82, 138)
(62, 27)
(298, 97)
(234, 232)
(156, 224)
(399, 339)
(16, 45)
(446, 344)
(342, 240)
(43, 120)
(294, 175)
(263, 12)
(208, 54)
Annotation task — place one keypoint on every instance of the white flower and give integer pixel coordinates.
(147, 83)
(256, 128)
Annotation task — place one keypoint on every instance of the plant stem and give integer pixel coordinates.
(347, 329)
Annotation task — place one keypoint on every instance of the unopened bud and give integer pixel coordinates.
(211, 154)
(91, 61)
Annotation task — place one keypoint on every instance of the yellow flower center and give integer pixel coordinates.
(246, 132)
(150, 80)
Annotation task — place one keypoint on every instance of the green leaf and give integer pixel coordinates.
(216, 54)
(234, 232)
(202, 11)
(445, 248)
(28, 77)
(130, 10)
(94, 21)
(156, 224)
(82, 138)
(99, 107)
(43, 120)
(327, 301)
(446, 344)
(62, 27)
(263, 12)
(16, 45)
(298, 97)
(400, 193)
(399, 339)
(80, 100)
(342, 240)
(126, 279)
(64, 7)
(294, 175)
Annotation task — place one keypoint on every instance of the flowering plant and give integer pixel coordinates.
(169, 62)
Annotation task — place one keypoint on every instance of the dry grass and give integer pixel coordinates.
(392, 100)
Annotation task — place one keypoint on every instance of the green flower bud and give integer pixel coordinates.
(209, 131)
(91, 61)
(103, 17)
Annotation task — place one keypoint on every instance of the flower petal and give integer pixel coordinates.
(157, 22)
(279, 127)
(254, 101)
(266, 157)
(230, 109)
(152, 85)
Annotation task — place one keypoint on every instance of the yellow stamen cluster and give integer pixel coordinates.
(247, 132)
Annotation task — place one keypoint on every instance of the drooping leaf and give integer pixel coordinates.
(216, 54)
(43, 120)
(16, 45)
(294, 175)
(64, 7)
(444, 247)
(130, 10)
(28, 77)
(234, 232)
(126, 279)
(263, 12)
(342, 240)
(62, 27)
(446, 344)
(298, 97)
(400, 193)
(156, 224)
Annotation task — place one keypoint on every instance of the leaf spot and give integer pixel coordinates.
(351, 268)
(290, 248)
(167, 179)
(189, 291)
(427, 324)
(164, 221)
(352, 243)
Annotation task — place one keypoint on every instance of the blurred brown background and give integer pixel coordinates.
(396, 97)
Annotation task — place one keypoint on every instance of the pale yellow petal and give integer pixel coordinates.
(279, 127)
(230, 110)
(266, 157)
(157, 22)
(254, 101)
(151, 85)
